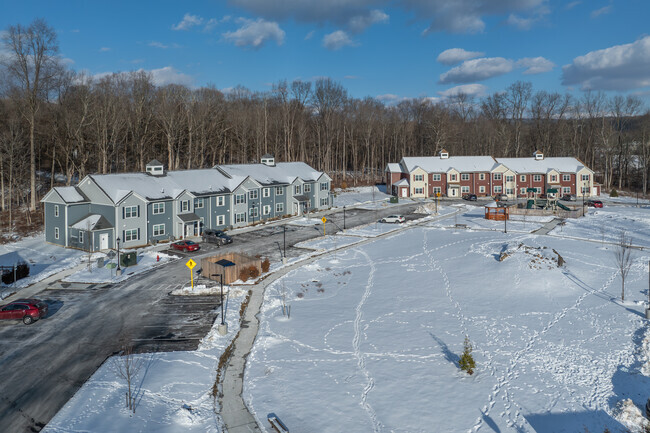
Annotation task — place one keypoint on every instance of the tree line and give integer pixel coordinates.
(57, 125)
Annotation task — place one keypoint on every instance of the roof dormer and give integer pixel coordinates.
(444, 154)
(155, 168)
(269, 160)
(538, 155)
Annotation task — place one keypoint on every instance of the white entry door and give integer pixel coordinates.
(103, 241)
(404, 192)
(189, 230)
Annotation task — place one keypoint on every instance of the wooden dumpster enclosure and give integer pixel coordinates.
(209, 266)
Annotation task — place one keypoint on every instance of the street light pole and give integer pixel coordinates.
(284, 241)
(343, 217)
(221, 281)
(118, 271)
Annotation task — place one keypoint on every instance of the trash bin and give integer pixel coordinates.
(394, 199)
(128, 259)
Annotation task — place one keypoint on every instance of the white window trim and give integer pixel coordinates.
(220, 200)
(297, 189)
(129, 212)
(240, 198)
(279, 207)
(184, 203)
(56, 210)
(537, 178)
(133, 233)
(198, 203)
(158, 208)
(464, 176)
(266, 209)
(56, 233)
(156, 230)
(324, 186)
(481, 188)
(306, 187)
(279, 190)
(221, 220)
(81, 236)
(497, 176)
(522, 178)
(481, 176)
(253, 194)
(266, 192)
(566, 178)
(240, 217)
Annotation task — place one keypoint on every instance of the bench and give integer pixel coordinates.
(461, 226)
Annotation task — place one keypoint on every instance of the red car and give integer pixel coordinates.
(595, 203)
(186, 246)
(27, 310)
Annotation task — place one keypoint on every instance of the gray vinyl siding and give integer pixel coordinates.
(138, 223)
(97, 242)
(215, 211)
(313, 204)
(51, 222)
(267, 201)
(204, 213)
(166, 218)
(239, 208)
(323, 194)
(280, 199)
(93, 192)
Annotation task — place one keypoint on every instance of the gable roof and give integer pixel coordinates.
(282, 173)
(393, 167)
(435, 164)
(532, 165)
(70, 194)
(92, 222)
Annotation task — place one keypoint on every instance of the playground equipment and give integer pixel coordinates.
(534, 201)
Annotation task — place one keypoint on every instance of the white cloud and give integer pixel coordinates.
(621, 67)
(310, 35)
(572, 5)
(157, 44)
(211, 24)
(337, 40)
(535, 65)
(361, 22)
(454, 56)
(255, 33)
(188, 22)
(477, 69)
(519, 22)
(602, 11)
(104, 49)
(477, 90)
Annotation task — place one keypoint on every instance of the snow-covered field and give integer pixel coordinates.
(147, 259)
(44, 260)
(606, 224)
(360, 194)
(376, 333)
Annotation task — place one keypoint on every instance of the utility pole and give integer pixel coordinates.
(343, 218)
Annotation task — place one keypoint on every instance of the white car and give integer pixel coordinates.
(393, 219)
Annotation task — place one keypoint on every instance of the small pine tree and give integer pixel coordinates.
(613, 193)
(467, 362)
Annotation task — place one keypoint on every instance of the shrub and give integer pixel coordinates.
(613, 193)
(266, 265)
(253, 272)
(467, 362)
(344, 185)
(244, 275)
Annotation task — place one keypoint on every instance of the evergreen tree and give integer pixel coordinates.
(467, 362)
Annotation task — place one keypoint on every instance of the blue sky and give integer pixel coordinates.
(379, 48)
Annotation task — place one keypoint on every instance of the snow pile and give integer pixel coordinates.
(645, 355)
(199, 290)
(92, 273)
(628, 414)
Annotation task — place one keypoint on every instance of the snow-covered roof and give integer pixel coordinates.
(435, 164)
(401, 182)
(204, 181)
(532, 165)
(280, 173)
(154, 162)
(70, 194)
(92, 222)
(393, 167)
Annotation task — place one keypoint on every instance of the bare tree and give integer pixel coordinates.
(128, 364)
(33, 68)
(623, 255)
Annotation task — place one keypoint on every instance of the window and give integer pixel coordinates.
(198, 203)
(585, 190)
(554, 178)
(497, 189)
(453, 177)
(253, 212)
(240, 218)
(510, 191)
(158, 229)
(436, 177)
(497, 176)
(240, 198)
(130, 235)
(158, 208)
(307, 187)
(566, 190)
(56, 210)
(537, 178)
(481, 189)
(324, 202)
(566, 177)
(130, 212)
(464, 189)
(220, 200)
(585, 178)
(279, 207)
(522, 178)
(464, 176)
(296, 190)
(56, 233)
(522, 191)
(418, 178)
(436, 190)
(266, 210)
(185, 206)
(481, 176)
(81, 236)
(266, 192)
(419, 190)
(279, 190)
(253, 194)
(510, 178)
(538, 190)
(324, 186)
(221, 220)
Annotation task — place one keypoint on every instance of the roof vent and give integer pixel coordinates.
(155, 167)
(268, 160)
(444, 154)
(538, 155)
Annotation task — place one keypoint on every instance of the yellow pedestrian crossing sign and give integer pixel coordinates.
(190, 264)
(324, 220)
